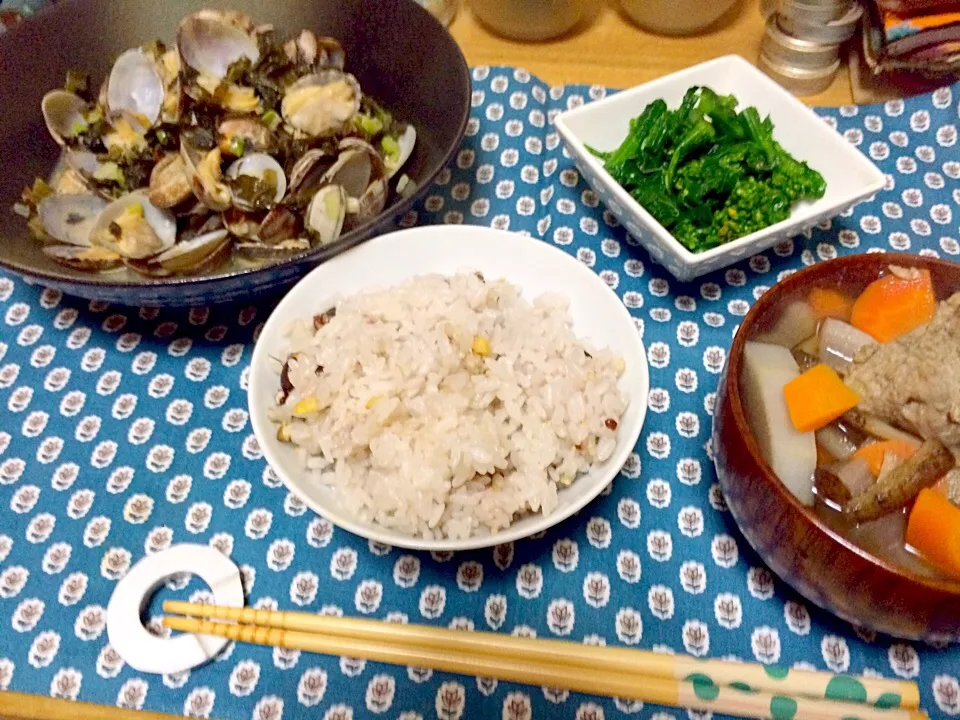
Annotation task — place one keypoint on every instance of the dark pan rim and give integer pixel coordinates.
(318, 254)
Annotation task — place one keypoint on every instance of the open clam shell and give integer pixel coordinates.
(206, 175)
(322, 103)
(90, 259)
(70, 219)
(63, 112)
(278, 225)
(354, 170)
(406, 143)
(209, 42)
(242, 224)
(308, 172)
(326, 213)
(194, 255)
(257, 182)
(135, 89)
(169, 67)
(319, 52)
(368, 206)
(134, 228)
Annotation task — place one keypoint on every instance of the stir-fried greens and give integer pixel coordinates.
(234, 142)
(708, 173)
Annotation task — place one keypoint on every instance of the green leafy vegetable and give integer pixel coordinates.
(708, 173)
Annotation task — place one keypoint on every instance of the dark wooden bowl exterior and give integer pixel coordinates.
(829, 571)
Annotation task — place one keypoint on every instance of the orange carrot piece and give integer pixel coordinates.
(933, 530)
(875, 452)
(830, 303)
(893, 306)
(817, 398)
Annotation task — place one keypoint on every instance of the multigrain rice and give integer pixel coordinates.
(447, 406)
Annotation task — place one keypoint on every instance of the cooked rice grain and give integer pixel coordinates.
(449, 406)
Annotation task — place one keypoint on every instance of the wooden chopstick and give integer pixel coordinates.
(669, 680)
(21, 706)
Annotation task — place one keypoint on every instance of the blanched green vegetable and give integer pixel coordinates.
(708, 173)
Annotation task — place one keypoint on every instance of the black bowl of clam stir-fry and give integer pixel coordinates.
(177, 153)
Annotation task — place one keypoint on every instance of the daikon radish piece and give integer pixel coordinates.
(835, 441)
(839, 343)
(791, 454)
(796, 323)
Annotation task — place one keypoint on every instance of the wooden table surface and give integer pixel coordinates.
(607, 49)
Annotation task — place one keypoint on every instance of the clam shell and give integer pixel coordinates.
(256, 136)
(82, 161)
(321, 103)
(309, 170)
(279, 224)
(71, 219)
(255, 165)
(370, 204)
(169, 183)
(89, 259)
(354, 170)
(377, 167)
(70, 182)
(319, 52)
(191, 255)
(326, 212)
(146, 244)
(210, 41)
(61, 111)
(205, 175)
(169, 66)
(407, 141)
(260, 252)
(136, 89)
(242, 224)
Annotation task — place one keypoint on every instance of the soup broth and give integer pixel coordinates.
(853, 394)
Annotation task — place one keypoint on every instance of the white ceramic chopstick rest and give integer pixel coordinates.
(151, 654)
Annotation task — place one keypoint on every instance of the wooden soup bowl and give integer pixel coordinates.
(828, 570)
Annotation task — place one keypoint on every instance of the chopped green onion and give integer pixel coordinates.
(163, 137)
(109, 172)
(237, 146)
(391, 147)
(369, 124)
(79, 127)
(271, 119)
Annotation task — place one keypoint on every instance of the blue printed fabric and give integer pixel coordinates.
(125, 431)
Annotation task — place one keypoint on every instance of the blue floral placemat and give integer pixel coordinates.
(125, 431)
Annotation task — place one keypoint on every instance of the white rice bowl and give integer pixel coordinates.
(458, 405)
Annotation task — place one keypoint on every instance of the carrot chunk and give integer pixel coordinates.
(817, 398)
(934, 530)
(875, 452)
(894, 305)
(830, 303)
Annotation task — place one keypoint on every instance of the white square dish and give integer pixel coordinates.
(603, 125)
